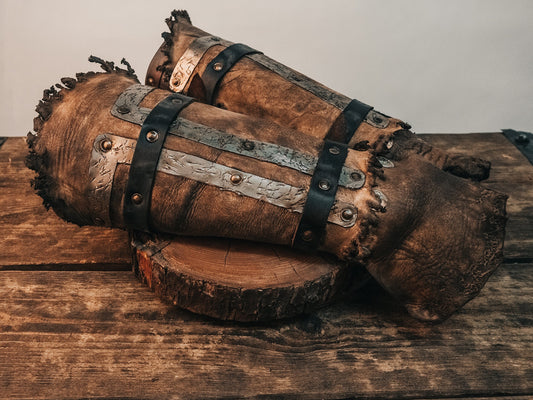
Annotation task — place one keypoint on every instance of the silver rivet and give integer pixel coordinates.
(334, 150)
(385, 162)
(381, 197)
(176, 101)
(152, 136)
(389, 144)
(347, 214)
(123, 109)
(235, 179)
(248, 145)
(150, 81)
(106, 145)
(218, 66)
(136, 198)
(324, 185)
(522, 139)
(307, 236)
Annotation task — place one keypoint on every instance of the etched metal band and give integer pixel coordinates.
(186, 65)
(127, 108)
(137, 197)
(321, 197)
(220, 65)
(189, 60)
(110, 150)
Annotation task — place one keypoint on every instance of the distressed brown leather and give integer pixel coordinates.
(432, 241)
(252, 89)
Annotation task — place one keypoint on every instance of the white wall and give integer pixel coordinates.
(443, 66)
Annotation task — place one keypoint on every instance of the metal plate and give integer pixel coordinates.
(186, 65)
(103, 165)
(268, 152)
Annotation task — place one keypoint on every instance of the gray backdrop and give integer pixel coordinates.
(443, 66)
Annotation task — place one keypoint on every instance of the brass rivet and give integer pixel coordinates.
(123, 110)
(347, 214)
(106, 145)
(150, 81)
(324, 185)
(307, 236)
(152, 136)
(334, 150)
(248, 145)
(176, 101)
(389, 144)
(218, 66)
(236, 179)
(136, 198)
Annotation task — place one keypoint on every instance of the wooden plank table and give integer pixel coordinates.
(74, 323)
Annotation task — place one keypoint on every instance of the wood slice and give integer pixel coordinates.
(239, 280)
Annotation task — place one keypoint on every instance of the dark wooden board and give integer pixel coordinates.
(101, 334)
(511, 173)
(104, 335)
(31, 236)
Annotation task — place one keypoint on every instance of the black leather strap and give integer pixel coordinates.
(354, 114)
(220, 65)
(145, 159)
(321, 196)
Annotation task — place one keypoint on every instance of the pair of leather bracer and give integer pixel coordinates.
(109, 151)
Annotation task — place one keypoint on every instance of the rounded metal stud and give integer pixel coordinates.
(106, 145)
(389, 144)
(324, 185)
(307, 235)
(347, 214)
(235, 179)
(357, 176)
(385, 162)
(123, 110)
(150, 81)
(152, 136)
(176, 101)
(334, 150)
(248, 145)
(522, 139)
(136, 198)
(218, 66)
(377, 119)
(383, 200)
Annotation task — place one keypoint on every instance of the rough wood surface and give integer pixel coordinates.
(240, 280)
(31, 237)
(96, 335)
(101, 334)
(511, 173)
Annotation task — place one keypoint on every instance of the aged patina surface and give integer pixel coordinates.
(428, 237)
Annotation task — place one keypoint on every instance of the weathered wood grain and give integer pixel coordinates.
(104, 335)
(30, 236)
(511, 173)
